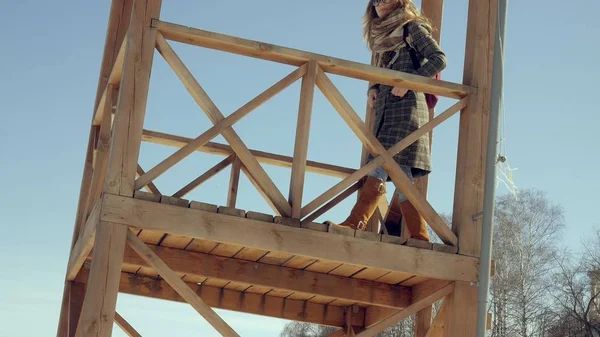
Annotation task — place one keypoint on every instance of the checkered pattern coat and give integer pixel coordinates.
(397, 117)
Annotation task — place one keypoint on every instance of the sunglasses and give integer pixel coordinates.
(376, 3)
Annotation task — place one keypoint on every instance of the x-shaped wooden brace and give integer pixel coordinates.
(373, 145)
(222, 125)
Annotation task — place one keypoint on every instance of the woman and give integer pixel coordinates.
(401, 39)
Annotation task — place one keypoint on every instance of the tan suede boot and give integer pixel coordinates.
(415, 223)
(372, 191)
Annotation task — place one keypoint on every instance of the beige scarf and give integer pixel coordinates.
(387, 34)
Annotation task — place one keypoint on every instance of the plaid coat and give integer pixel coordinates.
(397, 117)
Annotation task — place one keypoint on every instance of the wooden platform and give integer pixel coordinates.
(286, 266)
(236, 259)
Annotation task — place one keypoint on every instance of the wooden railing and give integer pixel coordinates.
(313, 69)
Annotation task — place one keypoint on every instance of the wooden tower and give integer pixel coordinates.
(284, 265)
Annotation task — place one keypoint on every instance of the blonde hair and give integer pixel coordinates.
(410, 10)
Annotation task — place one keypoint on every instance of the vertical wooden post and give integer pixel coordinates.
(98, 310)
(234, 182)
(118, 23)
(302, 134)
(103, 284)
(470, 173)
(433, 10)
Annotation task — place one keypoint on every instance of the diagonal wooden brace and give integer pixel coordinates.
(374, 146)
(182, 289)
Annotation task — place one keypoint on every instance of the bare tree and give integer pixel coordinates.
(525, 235)
(577, 292)
(301, 329)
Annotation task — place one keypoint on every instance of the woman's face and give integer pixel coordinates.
(383, 7)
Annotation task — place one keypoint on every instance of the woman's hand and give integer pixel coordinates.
(372, 95)
(400, 92)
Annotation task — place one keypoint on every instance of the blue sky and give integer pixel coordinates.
(50, 59)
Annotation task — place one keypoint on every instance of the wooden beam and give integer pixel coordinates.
(102, 150)
(234, 182)
(297, 57)
(133, 94)
(182, 289)
(341, 197)
(118, 24)
(200, 224)
(262, 157)
(204, 177)
(150, 186)
(101, 293)
(240, 149)
(228, 299)
(339, 187)
(74, 294)
(422, 303)
(84, 244)
(472, 153)
(473, 127)
(200, 266)
(375, 315)
(307, 92)
(125, 326)
(113, 80)
(461, 315)
(399, 178)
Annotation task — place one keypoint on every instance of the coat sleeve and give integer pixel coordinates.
(424, 43)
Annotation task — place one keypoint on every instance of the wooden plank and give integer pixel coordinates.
(262, 157)
(296, 57)
(394, 277)
(182, 289)
(213, 171)
(103, 285)
(256, 185)
(240, 149)
(331, 204)
(133, 94)
(235, 300)
(234, 182)
(199, 245)
(150, 185)
(221, 124)
(125, 326)
(307, 92)
(373, 330)
(174, 241)
(84, 244)
(261, 235)
(398, 177)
